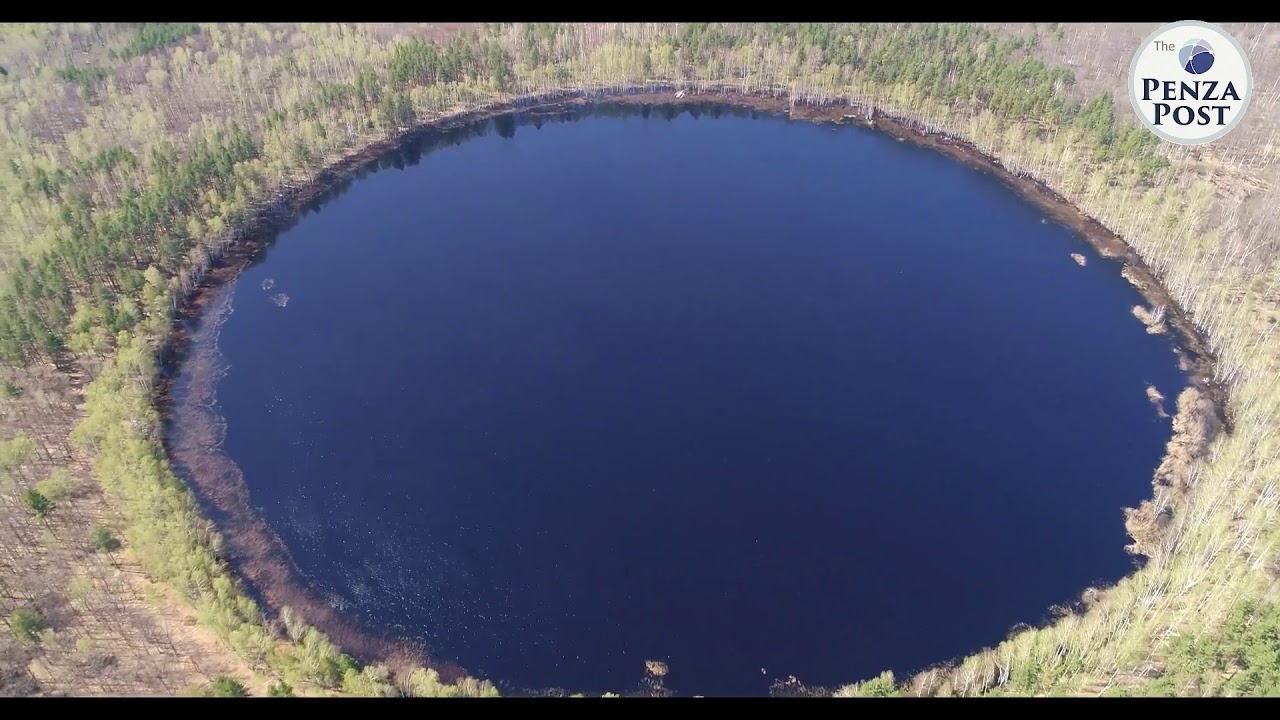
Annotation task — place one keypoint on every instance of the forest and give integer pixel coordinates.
(136, 156)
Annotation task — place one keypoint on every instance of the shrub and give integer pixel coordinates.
(280, 689)
(101, 539)
(27, 624)
(39, 505)
(224, 686)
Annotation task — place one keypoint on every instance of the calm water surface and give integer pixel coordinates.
(755, 397)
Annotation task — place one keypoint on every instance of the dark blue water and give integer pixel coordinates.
(754, 397)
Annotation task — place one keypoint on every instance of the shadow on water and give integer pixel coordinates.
(419, 144)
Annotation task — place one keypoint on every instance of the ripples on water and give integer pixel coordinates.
(757, 398)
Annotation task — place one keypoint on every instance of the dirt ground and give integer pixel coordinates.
(114, 632)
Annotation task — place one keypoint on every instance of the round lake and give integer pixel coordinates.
(754, 397)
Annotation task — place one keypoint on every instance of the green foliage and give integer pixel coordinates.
(27, 624)
(57, 486)
(1118, 691)
(105, 162)
(224, 686)
(101, 539)
(11, 390)
(46, 183)
(37, 504)
(96, 259)
(427, 683)
(698, 41)
(420, 62)
(280, 689)
(1243, 658)
(14, 452)
(152, 36)
(371, 681)
(1028, 677)
(85, 77)
(542, 44)
(395, 110)
(879, 686)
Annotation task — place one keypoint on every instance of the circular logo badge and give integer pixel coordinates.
(1190, 82)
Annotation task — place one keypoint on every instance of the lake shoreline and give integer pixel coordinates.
(256, 554)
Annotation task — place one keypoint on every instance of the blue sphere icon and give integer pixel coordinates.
(1196, 56)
